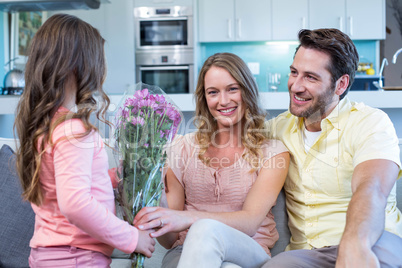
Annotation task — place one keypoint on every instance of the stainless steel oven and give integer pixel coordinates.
(173, 71)
(167, 27)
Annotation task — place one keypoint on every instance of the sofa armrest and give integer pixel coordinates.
(17, 217)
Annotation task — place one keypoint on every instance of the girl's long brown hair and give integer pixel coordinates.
(64, 46)
(254, 118)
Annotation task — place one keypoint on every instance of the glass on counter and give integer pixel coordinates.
(273, 81)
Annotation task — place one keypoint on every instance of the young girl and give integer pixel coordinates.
(61, 161)
(222, 180)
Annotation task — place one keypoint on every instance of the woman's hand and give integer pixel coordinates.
(146, 244)
(163, 219)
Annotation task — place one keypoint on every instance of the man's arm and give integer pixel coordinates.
(372, 182)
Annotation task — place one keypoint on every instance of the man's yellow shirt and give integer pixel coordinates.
(318, 186)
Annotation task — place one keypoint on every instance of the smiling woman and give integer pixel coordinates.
(223, 96)
(222, 180)
(228, 75)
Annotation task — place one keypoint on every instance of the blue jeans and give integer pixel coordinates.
(212, 244)
(387, 249)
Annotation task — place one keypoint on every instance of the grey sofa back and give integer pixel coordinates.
(17, 217)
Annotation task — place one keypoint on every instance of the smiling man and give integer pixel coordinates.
(340, 192)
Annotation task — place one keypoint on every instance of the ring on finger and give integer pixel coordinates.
(161, 224)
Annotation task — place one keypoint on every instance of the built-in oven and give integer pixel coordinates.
(172, 71)
(167, 27)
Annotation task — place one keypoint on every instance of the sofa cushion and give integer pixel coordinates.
(17, 216)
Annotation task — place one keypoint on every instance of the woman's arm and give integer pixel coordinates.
(260, 199)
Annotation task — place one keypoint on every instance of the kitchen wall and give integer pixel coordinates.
(118, 31)
(115, 22)
(393, 41)
(6, 121)
(276, 57)
(2, 47)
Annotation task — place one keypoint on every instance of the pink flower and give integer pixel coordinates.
(124, 114)
(141, 94)
(137, 121)
(158, 98)
(147, 103)
(130, 102)
(135, 110)
(173, 115)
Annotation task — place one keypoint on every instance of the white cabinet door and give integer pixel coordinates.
(365, 19)
(253, 20)
(288, 17)
(327, 14)
(216, 20)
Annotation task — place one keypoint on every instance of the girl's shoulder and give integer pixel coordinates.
(72, 129)
(69, 127)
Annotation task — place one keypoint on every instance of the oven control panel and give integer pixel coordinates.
(164, 57)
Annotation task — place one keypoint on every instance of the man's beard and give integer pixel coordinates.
(316, 111)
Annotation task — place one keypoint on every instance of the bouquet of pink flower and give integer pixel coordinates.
(145, 123)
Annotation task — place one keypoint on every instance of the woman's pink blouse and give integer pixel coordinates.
(219, 190)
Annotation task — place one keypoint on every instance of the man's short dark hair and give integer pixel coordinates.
(340, 48)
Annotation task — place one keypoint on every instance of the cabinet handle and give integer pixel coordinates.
(303, 21)
(230, 28)
(239, 28)
(351, 26)
(341, 23)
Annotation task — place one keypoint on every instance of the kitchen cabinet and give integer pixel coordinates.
(365, 19)
(288, 17)
(234, 20)
(327, 14)
(360, 19)
(257, 20)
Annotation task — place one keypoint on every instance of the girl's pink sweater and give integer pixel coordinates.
(78, 208)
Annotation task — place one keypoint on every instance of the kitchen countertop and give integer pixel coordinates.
(269, 100)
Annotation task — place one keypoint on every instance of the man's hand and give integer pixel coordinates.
(352, 255)
(372, 182)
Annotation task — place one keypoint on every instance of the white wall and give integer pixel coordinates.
(393, 41)
(115, 22)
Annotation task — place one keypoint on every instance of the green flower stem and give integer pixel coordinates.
(141, 170)
(137, 260)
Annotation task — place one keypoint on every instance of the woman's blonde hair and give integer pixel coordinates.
(254, 118)
(63, 47)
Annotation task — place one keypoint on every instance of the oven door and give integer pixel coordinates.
(171, 79)
(164, 33)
